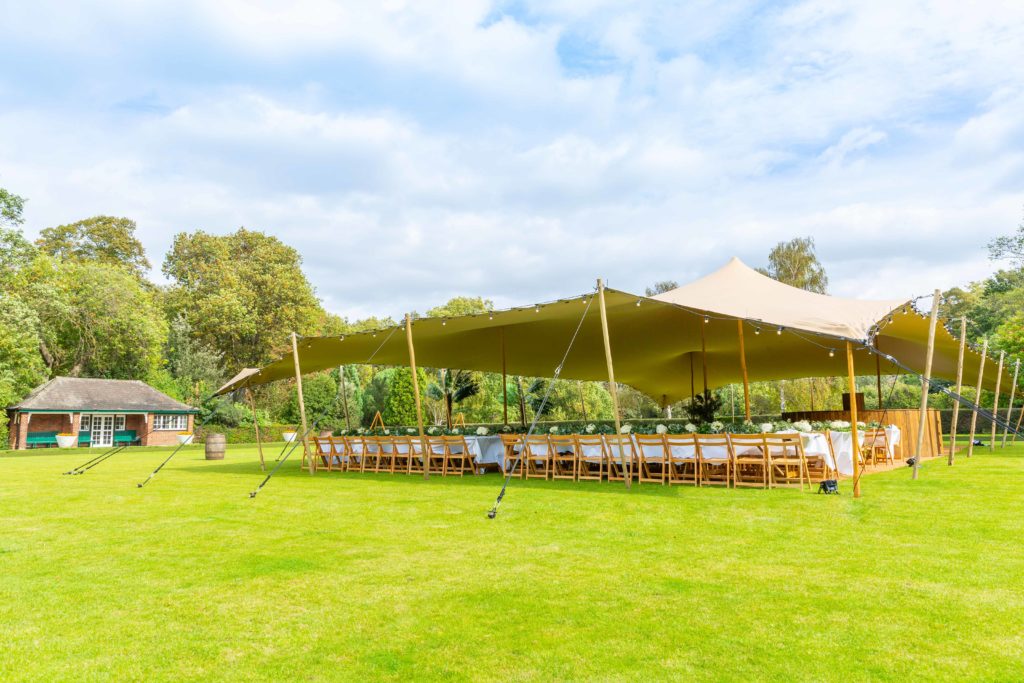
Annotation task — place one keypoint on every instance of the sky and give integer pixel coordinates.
(415, 151)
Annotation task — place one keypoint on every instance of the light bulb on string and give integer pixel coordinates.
(706, 320)
(831, 353)
(778, 331)
(757, 330)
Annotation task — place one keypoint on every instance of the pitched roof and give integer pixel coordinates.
(79, 393)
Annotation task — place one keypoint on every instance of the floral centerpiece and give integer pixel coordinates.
(482, 431)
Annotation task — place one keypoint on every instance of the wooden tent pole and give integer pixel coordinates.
(977, 398)
(256, 426)
(1009, 410)
(627, 473)
(743, 368)
(854, 440)
(302, 405)
(995, 402)
(583, 401)
(416, 393)
(924, 381)
(959, 388)
(1020, 417)
(504, 380)
(693, 393)
(704, 358)
(344, 395)
(878, 375)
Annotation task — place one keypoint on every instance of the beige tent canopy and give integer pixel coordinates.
(660, 344)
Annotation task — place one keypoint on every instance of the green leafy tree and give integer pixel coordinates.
(400, 404)
(96, 320)
(453, 386)
(21, 367)
(795, 263)
(242, 294)
(12, 208)
(661, 287)
(16, 254)
(322, 399)
(105, 239)
(1009, 248)
(195, 367)
(461, 305)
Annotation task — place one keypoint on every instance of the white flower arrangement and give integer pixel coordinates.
(661, 429)
(456, 431)
(553, 430)
(802, 426)
(717, 427)
(387, 432)
(626, 429)
(482, 431)
(433, 430)
(767, 427)
(690, 427)
(362, 430)
(410, 430)
(862, 425)
(839, 424)
(590, 428)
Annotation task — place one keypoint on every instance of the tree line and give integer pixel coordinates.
(77, 302)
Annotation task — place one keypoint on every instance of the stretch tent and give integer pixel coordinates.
(660, 344)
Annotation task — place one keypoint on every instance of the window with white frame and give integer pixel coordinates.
(170, 422)
(119, 422)
(86, 425)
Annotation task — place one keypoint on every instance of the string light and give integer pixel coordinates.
(831, 353)
(444, 322)
(536, 309)
(490, 317)
(638, 302)
(778, 331)
(706, 320)
(757, 330)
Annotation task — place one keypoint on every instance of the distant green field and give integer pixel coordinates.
(369, 577)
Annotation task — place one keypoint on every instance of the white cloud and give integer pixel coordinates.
(414, 152)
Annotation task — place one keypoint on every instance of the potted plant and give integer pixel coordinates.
(67, 440)
(184, 437)
(289, 435)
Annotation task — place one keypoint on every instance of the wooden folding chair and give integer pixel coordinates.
(682, 465)
(385, 454)
(565, 463)
(400, 454)
(876, 447)
(538, 455)
(787, 464)
(371, 454)
(592, 457)
(512, 448)
(652, 458)
(415, 458)
(817, 460)
(356, 448)
(618, 446)
(338, 454)
(437, 454)
(323, 447)
(714, 460)
(457, 457)
(749, 460)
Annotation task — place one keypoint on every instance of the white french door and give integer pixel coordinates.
(103, 431)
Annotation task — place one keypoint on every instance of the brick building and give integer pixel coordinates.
(101, 412)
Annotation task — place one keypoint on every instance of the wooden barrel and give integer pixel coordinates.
(216, 444)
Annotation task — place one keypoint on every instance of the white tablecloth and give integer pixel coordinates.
(486, 450)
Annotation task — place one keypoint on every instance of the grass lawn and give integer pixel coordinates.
(379, 577)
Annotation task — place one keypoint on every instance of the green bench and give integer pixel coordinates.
(36, 439)
(125, 437)
(84, 438)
